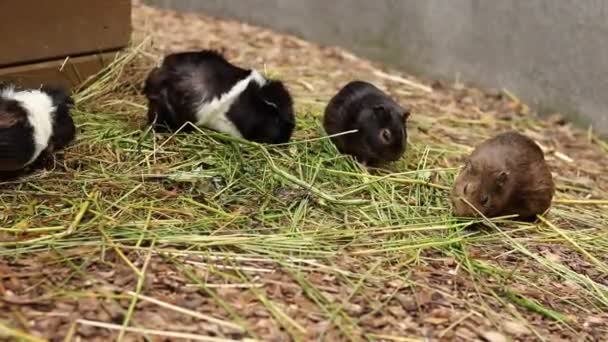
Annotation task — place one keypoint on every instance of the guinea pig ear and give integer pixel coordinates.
(7, 120)
(379, 109)
(385, 136)
(11, 116)
(501, 179)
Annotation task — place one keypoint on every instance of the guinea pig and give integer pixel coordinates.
(33, 122)
(504, 175)
(204, 89)
(380, 123)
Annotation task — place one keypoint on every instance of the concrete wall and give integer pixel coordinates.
(551, 53)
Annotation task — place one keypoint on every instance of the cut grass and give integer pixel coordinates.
(240, 209)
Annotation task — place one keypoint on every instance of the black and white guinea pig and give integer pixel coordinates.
(203, 88)
(33, 122)
(380, 123)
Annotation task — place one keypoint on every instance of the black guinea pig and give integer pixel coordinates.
(33, 122)
(380, 123)
(204, 89)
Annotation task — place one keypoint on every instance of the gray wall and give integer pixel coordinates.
(551, 53)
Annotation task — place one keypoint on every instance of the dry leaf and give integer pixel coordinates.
(494, 336)
(515, 328)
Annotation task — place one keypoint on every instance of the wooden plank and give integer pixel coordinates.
(35, 30)
(68, 73)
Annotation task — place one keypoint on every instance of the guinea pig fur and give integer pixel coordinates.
(504, 175)
(204, 89)
(33, 122)
(380, 123)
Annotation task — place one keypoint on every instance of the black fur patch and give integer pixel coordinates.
(64, 130)
(16, 136)
(264, 114)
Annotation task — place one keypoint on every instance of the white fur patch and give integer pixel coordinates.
(212, 114)
(39, 107)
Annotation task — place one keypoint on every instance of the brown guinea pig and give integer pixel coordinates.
(380, 123)
(505, 175)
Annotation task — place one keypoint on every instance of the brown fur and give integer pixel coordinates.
(505, 175)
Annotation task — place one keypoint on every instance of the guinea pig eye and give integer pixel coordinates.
(385, 136)
(466, 187)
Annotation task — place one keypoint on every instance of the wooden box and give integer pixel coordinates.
(60, 42)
